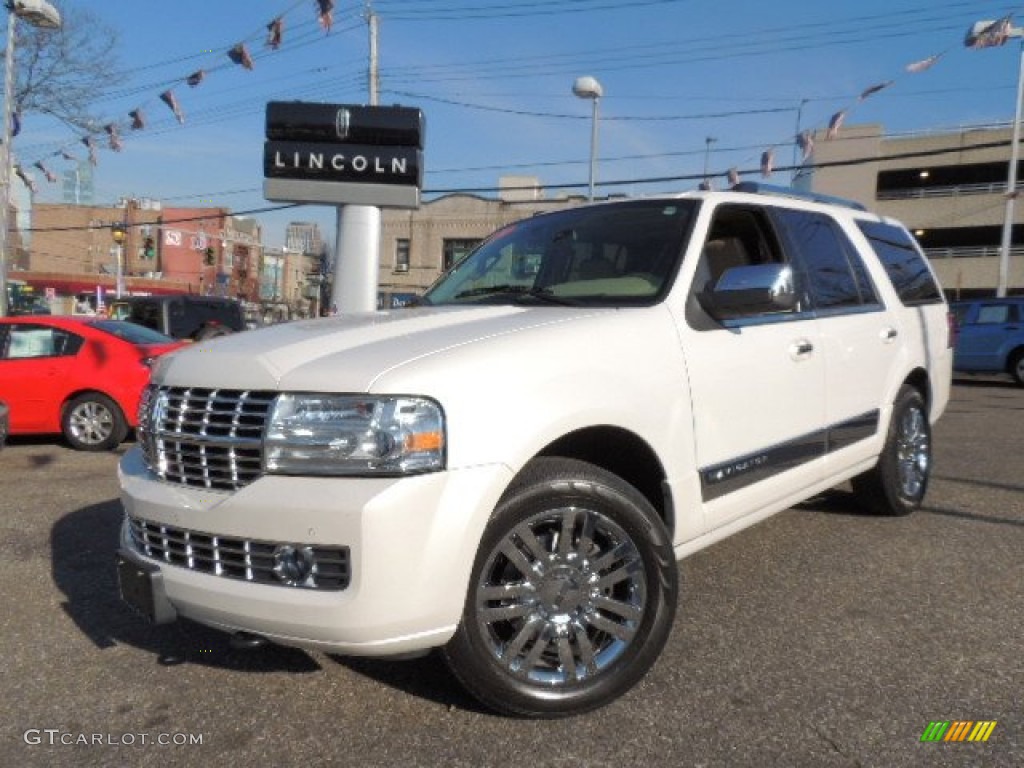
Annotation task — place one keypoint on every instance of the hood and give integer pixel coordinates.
(345, 353)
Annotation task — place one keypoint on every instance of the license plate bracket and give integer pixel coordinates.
(142, 587)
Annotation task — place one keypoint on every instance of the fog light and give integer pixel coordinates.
(293, 565)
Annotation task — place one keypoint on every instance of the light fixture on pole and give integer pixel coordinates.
(589, 88)
(38, 13)
(988, 34)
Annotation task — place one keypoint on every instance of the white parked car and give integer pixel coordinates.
(509, 471)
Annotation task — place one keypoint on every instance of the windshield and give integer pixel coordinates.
(623, 253)
(132, 333)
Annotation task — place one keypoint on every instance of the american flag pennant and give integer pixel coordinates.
(835, 124)
(29, 181)
(167, 97)
(115, 136)
(923, 64)
(91, 146)
(326, 13)
(275, 33)
(805, 141)
(874, 89)
(138, 119)
(734, 177)
(240, 55)
(992, 36)
(195, 78)
(767, 162)
(50, 176)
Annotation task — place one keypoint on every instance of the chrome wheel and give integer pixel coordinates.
(93, 422)
(562, 596)
(572, 593)
(913, 452)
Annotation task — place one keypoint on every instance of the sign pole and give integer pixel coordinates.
(357, 258)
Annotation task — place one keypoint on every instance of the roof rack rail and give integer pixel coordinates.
(757, 188)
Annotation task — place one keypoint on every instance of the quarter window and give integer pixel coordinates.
(994, 314)
(903, 262)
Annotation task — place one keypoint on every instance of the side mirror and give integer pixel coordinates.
(752, 290)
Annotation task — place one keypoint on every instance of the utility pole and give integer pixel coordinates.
(357, 246)
(374, 71)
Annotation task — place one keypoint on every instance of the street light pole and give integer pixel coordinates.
(1006, 244)
(986, 34)
(38, 13)
(589, 88)
(119, 232)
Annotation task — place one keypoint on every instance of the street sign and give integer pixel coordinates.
(343, 154)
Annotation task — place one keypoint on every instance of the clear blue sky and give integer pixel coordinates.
(494, 79)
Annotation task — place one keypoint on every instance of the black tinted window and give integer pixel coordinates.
(132, 332)
(904, 264)
(836, 276)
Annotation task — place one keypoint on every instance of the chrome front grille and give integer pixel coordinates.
(243, 559)
(204, 438)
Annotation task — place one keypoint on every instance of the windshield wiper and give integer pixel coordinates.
(483, 290)
(520, 293)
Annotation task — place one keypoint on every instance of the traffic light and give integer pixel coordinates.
(148, 248)
(119, 232)
(208, 256)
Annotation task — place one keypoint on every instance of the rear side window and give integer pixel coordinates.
(996, 314)
(904, 264)
(836, 276)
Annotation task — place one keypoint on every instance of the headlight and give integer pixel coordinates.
(318, 434)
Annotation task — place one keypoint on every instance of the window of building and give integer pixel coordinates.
(401, 255)
(456, 250)
(942, 180)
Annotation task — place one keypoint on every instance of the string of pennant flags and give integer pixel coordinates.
(238, 54)
(997, 33)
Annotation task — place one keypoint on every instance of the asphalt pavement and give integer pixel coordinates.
(820, 637)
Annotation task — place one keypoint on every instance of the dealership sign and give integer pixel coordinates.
(343, 154)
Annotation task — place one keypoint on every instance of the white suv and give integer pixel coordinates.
(510, 470)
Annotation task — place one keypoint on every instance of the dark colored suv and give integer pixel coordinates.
(184, 316)
(991, 337)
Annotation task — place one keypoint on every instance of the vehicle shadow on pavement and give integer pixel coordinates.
(836, 501)
(426, 678)
(83, 544)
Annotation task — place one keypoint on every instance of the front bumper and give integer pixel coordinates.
(411, 544)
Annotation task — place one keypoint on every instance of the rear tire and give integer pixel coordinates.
(571, 597)
(897, 483)
(93, 422)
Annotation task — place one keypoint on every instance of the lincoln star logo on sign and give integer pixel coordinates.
(330, 153)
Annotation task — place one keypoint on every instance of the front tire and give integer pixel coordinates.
(93, 422)
(897, 483)
(1017, 366)
(572, 594)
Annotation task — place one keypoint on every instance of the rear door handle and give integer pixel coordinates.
(888, 334)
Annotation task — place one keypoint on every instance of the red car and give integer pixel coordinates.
(78, 376)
